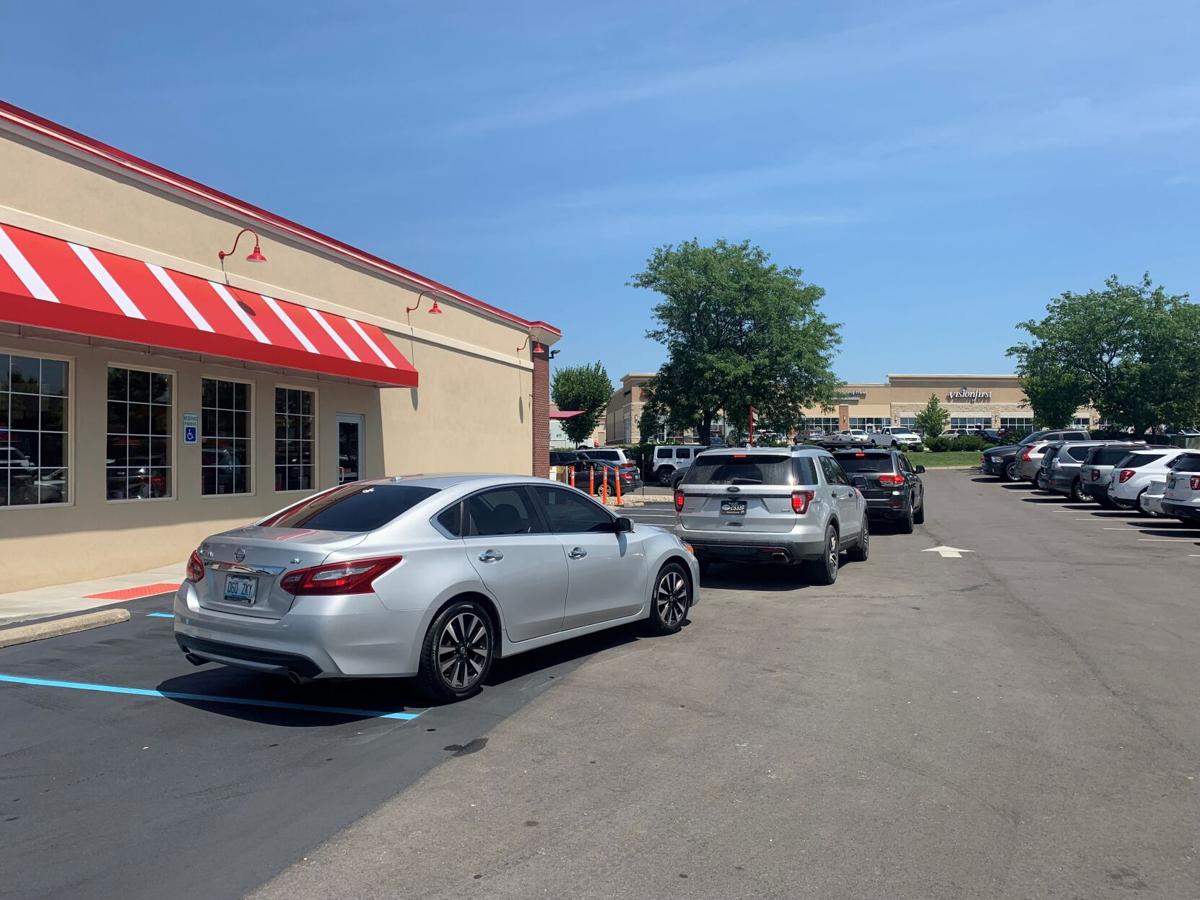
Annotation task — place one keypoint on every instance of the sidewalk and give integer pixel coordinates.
(85, 596)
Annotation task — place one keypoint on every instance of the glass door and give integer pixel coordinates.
(350, 446)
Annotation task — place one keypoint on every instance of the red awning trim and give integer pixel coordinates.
(46, 282)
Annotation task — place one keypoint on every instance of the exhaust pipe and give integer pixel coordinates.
(194, 659)
(779, 556)
(296, 678)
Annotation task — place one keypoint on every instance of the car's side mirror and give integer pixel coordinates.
(920, 470)
(623, 525)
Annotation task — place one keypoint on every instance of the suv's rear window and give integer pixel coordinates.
(610, 455)
(355, 507)
(1108, 456)
(1137, 460)
(865, 462)
(1189, 463)
(750, 468)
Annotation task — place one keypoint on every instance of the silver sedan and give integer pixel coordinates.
(432, 576)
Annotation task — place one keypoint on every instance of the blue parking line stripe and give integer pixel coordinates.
(161, 615)
(206, 698)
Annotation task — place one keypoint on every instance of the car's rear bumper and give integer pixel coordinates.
(319, 637)
(888, 507)
(785, 547)
(1180, 510)
(1061, 483)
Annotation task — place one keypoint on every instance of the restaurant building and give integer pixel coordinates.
(175, 361)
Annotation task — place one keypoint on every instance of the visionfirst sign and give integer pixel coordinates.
(965, 395)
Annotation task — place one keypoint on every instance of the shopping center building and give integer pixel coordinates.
(155, 387)
(974, 402)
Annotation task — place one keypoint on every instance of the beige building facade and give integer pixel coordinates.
(152, 393)
(974, 402)
(625, 409)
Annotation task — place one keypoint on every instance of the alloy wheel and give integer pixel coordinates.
(671, 598)
(462, 650)
(831, 552)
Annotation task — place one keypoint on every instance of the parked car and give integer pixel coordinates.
(896, 436)
(1098, 466)
(1181, 498)
(1029, 462)
(432, 576)
(1002, 461)
(1150, 500)
(811, 434)
(670, 459)
(1134, 474)
(1061, 463)
(608, 454)
(849, 436)
(602, 470)
(774, 506)
(890, 483)
(563, 457)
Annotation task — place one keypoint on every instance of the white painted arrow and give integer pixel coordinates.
(951, 552)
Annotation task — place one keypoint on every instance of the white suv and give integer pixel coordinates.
(896, 436)
(1182, 496)
(1134, 474)
(669, 459)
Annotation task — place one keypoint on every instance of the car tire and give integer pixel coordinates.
(1106, 503)
(670, 599)
(1010, 473)
(824, 571)
(1137, 505)
(663, 475)
(919, 513)
(904, 524)
(862, 548)
(461, 670)
(1077, 495)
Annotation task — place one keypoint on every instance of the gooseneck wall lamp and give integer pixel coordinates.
(434, 309)
(255, 256)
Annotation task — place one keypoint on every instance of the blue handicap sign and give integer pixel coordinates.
(189, 434)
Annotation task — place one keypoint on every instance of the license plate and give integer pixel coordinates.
(733, 507)
(241, 589)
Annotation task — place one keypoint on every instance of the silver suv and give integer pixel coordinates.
(764, 505)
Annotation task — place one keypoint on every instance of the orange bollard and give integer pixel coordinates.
(591, 481)
(604, 490)
(618, 487)
(571, 477)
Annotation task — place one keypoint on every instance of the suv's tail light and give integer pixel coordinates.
(800, 501)
(195, 567)
(353, 576)
(891, 478)
(678, 501)
(1194, 482)
(1095, 474)
(1125, 475)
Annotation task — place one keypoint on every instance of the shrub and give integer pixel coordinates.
(967, 442)
(937, 444)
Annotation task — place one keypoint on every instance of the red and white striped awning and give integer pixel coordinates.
(49, 283)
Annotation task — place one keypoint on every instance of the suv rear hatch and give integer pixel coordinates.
(872, 472)
(746, 492)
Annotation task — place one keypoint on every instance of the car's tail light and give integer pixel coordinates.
(352, 576)
(195, 568)
(800, 501)
(1194, 482)
(1095, 474)
(891, 478)
(678, 501)
(1125, 475)
(1025, 455)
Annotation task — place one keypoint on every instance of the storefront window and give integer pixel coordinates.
(970, 423)
(138, 454)
(1016, 423)
(1082, 422)
(33, 430)
(869, 421)
(225, 427)
(294, 411)
(828, 423)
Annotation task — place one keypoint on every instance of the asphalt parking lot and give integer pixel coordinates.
(1017, 720)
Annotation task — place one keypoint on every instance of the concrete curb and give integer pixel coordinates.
(23, 634)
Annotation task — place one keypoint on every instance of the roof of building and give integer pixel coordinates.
(145, 171)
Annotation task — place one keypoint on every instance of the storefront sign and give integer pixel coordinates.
(191, 428)
(963, 395)
(852, 395)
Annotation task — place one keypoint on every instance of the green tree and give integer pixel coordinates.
(584, 388)
(1054, 391)
(740, 331)
(651, 420)
(1132, 347)
(933, 419)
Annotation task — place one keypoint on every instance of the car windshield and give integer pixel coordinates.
(354, 507)
(865, 462)
(747, 468)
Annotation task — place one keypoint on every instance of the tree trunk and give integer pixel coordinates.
(705, 430)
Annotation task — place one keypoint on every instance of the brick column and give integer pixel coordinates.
(541, 410)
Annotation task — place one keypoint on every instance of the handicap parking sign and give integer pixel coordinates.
(191, 425)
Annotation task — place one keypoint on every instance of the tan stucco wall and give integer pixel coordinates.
(471, 411)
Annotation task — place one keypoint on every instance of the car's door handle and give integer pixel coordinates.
(490, 556)
(577, 553)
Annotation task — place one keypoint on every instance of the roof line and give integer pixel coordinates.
(148, 171)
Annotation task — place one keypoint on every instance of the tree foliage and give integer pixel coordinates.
(740, 331)
(1131, 350)
(1054, 391)
(584, 388)
(933, 418)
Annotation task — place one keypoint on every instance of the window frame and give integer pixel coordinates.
(69, 422)
(172, 440)
(253, 411)
(530, 502)
(532, 492)
(316, 448)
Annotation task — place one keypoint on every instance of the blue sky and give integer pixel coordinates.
(941, 169)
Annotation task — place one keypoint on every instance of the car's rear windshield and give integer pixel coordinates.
(610, 455)
(865, 462)
(1137, 460)
(1189, 463)
(1108, 456)
(354, 507)
(750, 468)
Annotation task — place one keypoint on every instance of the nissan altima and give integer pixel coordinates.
(426, 576)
